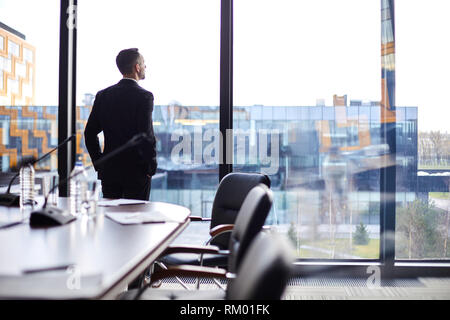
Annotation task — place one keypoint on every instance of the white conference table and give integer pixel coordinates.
(90, 258)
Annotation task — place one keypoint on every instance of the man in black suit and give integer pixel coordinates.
(122, 111)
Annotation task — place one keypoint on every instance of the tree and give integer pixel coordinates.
(361, 236)
(434, 148)
(418, 231)
(424, 148)
(437, 140)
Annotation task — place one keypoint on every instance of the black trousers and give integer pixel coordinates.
(135, 189)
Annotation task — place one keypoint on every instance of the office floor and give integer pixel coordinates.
(357, 289)
(328, 288)
(346, 289)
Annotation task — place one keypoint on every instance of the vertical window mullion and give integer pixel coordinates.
(388, 135)
(66, 99)
(226, 86)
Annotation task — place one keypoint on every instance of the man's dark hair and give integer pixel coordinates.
(127, 59)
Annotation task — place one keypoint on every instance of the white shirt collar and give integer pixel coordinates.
(131, 79)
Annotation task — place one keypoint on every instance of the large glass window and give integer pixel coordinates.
(423, 135)
(307, 93)
(312, 95)
(180, 43)
(29, 51)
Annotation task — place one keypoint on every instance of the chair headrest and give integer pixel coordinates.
(235, 186)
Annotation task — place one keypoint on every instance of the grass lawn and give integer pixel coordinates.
(439, 195)
(432, 167)
(369, 251)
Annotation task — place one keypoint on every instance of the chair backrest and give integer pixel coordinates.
(265, 270)
(248, 224)
(230, 195)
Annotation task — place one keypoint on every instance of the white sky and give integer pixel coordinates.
(287, 52)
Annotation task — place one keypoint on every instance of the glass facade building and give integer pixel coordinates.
(323, 162)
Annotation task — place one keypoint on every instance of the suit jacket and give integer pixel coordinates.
(122, 111)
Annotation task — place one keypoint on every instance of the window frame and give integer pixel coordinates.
(389, 266)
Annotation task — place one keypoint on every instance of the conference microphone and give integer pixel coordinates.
(51, 216)
(12, 200)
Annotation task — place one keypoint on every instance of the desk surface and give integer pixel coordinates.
(104, 255)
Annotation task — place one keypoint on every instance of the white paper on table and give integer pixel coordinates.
(139, 217)
(119, 202)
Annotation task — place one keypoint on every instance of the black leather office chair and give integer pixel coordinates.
(230, 195)
(249, 222)
(263, 275)
(228, 200)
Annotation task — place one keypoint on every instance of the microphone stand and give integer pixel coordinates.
(12, 200)
(60, 214)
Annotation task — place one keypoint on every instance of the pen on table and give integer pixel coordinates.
(12, 224)
(54, 268)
